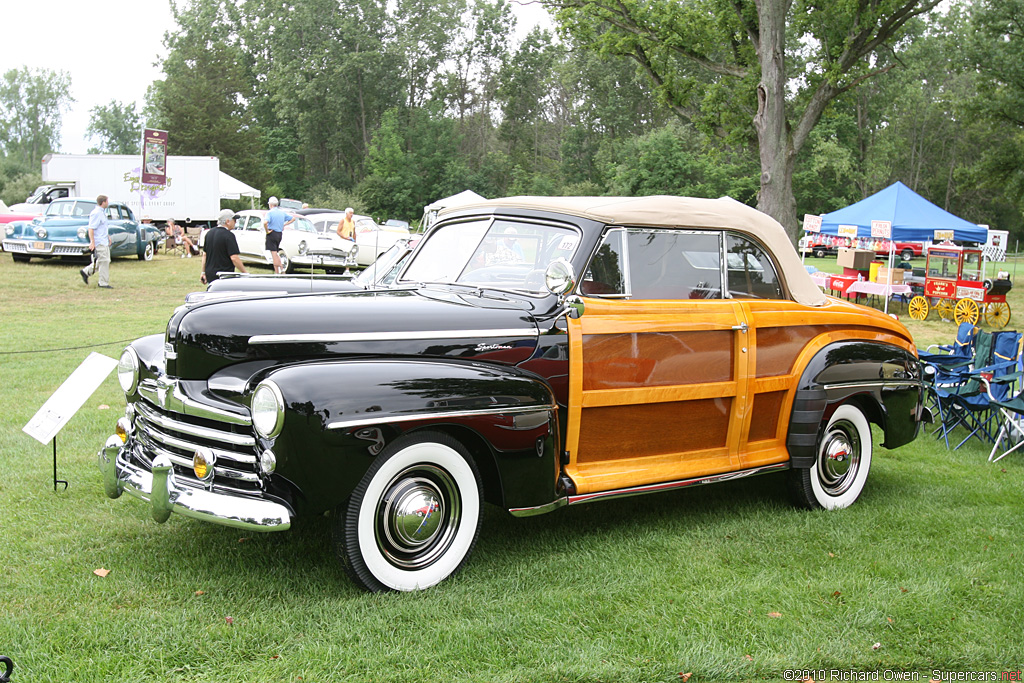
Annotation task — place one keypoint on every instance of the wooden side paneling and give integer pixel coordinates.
(656, 359)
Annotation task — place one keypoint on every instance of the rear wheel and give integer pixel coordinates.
(819, 253)
(918, 308)
(906, 254)
(414, 517)
(966, 311)
(944, 307)
(841, 467)
(997, 314)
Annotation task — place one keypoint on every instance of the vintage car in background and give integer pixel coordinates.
(62, 231)
(380, 274)
(373, 239)
(533, 353)
(301, 244)
(7, 217)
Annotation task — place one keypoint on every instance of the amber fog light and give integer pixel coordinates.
(123, 429)
(202, 463)
(268, 462)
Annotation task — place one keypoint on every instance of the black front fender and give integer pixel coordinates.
(339, 415)
(882, 379)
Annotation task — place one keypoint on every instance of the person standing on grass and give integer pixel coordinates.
(99, 244)
(220, 250)
(274, 223)
(347, 225)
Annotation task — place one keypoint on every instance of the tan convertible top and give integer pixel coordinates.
(678, 212)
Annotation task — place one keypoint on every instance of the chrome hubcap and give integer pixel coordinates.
(839, 458)
(417, 517)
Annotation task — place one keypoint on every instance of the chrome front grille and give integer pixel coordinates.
(15, 247)
(164, 432)
(68, 250)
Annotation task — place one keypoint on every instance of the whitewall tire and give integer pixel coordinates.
(841, 464)
(414, 517)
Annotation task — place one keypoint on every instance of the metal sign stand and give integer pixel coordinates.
(55, 479)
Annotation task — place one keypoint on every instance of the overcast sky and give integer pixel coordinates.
(109, 48)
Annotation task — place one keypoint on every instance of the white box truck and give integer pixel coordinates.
(191, 195)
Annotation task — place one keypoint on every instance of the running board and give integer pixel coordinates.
(648, 488)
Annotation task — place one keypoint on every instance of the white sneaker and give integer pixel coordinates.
(190, 254)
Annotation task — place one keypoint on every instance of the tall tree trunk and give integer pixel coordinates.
(773, 133)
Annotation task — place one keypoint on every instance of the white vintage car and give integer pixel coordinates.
(301, 244)
(371, 238)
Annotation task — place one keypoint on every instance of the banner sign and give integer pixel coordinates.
(847, 230)
(943, 235)
(812, 223)
(881, 229)
(154, 157)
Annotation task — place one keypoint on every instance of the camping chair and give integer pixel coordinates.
(1011, 409)
(962, 348)
(947, 374)
(174, 245)
(973, 402)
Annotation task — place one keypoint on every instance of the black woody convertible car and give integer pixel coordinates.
(532, 353)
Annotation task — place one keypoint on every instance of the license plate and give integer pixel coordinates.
(39, 245)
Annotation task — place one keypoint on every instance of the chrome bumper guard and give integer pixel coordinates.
(166, 495)
(49, 248)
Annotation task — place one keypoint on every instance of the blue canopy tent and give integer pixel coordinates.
(910, 218)
(913, 218)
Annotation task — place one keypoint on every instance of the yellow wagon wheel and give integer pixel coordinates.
(944, 307)
(918, 308)
(966, 311)
(997, 313)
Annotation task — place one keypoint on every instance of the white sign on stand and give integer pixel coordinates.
(69, 397)
(881, 229)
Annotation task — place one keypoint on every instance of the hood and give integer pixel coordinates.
(215, 334)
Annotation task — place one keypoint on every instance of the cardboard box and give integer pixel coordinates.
(890, 277)
(858, 259)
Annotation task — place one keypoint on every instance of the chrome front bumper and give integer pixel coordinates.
(165, 494)
(45, 247)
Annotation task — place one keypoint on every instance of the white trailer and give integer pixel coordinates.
(191, 195)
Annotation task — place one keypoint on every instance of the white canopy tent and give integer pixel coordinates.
(431, 210)
(232, 188)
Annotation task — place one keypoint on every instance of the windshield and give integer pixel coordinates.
(300, 225)
(503, 254)
(70, 208)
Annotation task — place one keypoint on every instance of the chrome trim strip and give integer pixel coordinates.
(387, 419)
(174, 442)
(909, 383)
(177, 402)
(539, 509)
(194, 430)
(389, 336)
(669, 485)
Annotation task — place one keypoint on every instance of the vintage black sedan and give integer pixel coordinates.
(62, 232)
(533, 353)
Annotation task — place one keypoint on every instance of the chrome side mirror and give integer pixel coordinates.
(559, 277)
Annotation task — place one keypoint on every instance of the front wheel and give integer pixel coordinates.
(966, 311)
(841, 467)
(286, 263)
(414, 517)
(147, 253)
(997, 314)
(21, 258)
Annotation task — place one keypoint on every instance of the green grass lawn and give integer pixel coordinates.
(729, 582)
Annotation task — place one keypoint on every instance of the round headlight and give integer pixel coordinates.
(302, 247)
(355, 250)
(268, 462)
(41, 233)
(128, 370)
(267, 410)
(9, 230)
(83, 232)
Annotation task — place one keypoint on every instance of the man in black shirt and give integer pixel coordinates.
(220, 249)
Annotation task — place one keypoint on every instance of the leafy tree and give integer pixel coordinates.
(31, 105)
(202, 101)
(117, 126)
(748, 68)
